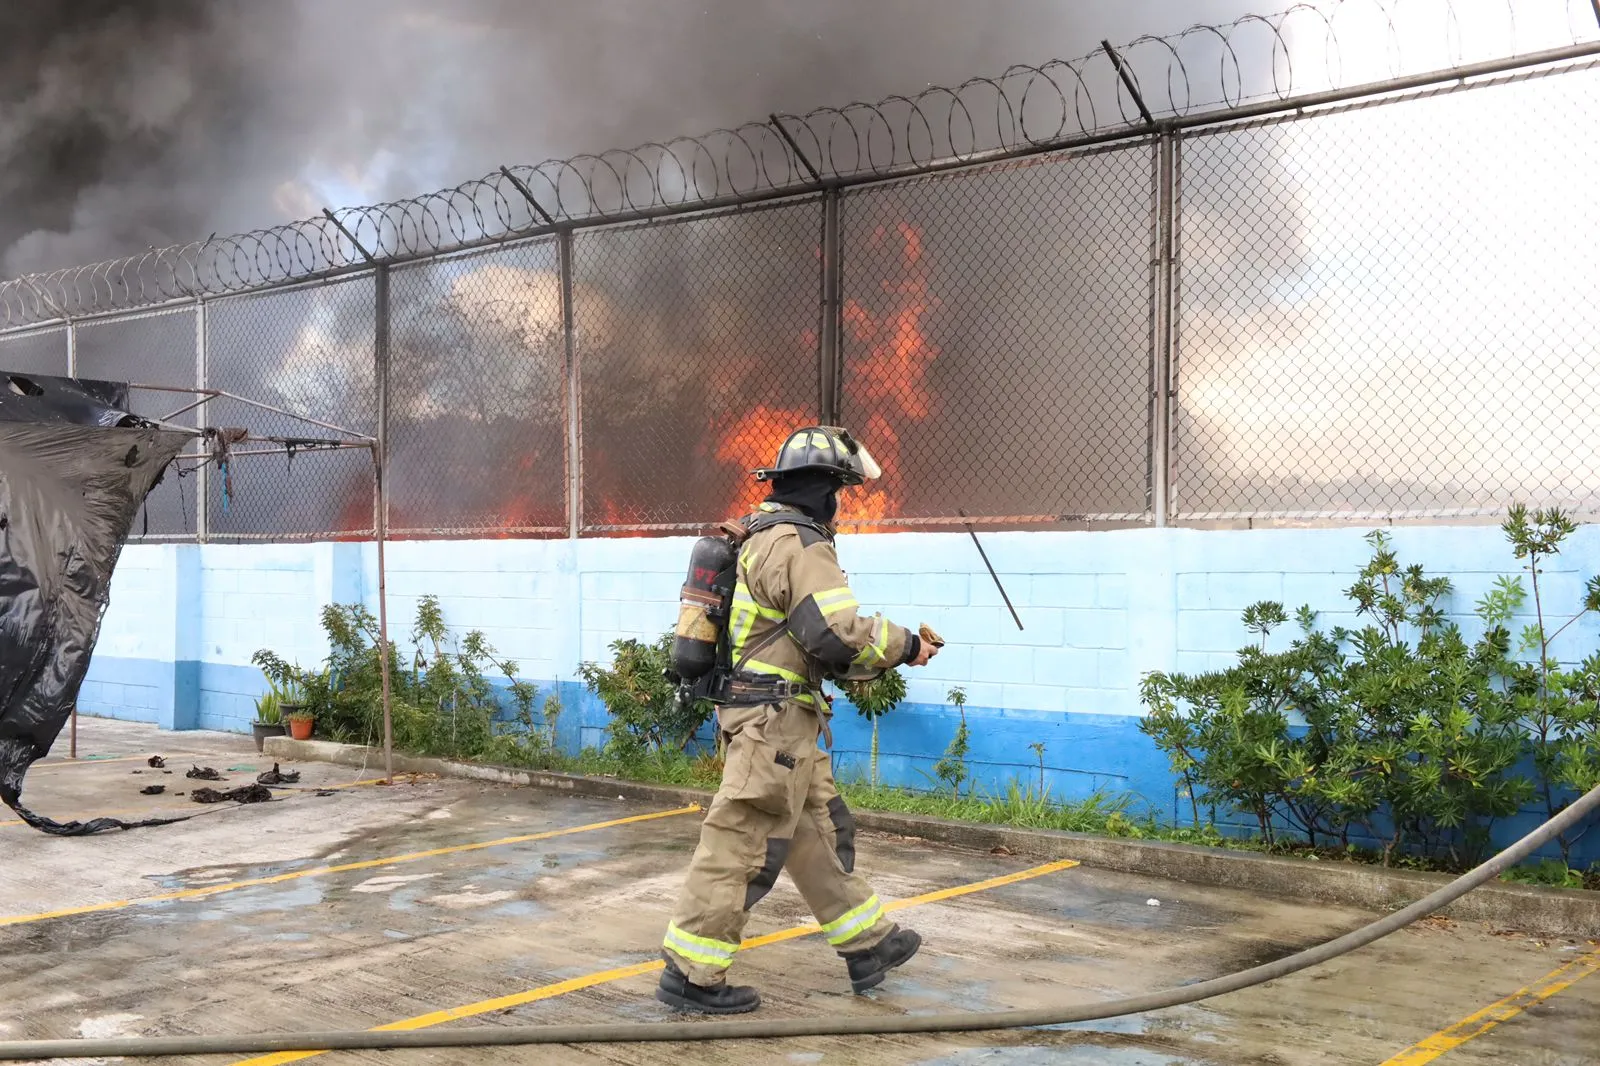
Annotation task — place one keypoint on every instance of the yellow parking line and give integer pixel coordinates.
(161, 812)
(457, 849)
(1475, 1025)
(621, 973)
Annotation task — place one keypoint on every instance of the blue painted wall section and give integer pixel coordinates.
(1099, 609)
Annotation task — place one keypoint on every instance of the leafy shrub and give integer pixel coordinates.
(645, 712)
(1559, 707)
(1227, 733)
(952, 768)
(442, 704)
(1404, 732)
(874, 699)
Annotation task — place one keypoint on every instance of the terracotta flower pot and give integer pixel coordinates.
(300, 728)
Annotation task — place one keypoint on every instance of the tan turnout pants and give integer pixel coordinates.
(777, 809)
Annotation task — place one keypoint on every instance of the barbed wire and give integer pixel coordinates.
(1203, 70)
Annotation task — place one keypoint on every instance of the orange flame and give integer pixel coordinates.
(891, 380)
(889, 388)
(754, 444)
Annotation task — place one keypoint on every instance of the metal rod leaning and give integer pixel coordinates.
(213, 394)
(976, 543)
(351, 237)
(794, 145)
(527, 194)
(1127, 79)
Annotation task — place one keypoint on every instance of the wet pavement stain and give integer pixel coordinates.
(1037, 1055)
(314, 953)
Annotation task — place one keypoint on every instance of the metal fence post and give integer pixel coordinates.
(1164, 264)
(380, 507)
(380, 517)
(574, 392)
(829, 368)
(72, 349)
(202, 376)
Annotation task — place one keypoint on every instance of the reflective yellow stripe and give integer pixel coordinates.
(743, 619)
(876, 653)
(748, 602)
(756, 666)
(853, 923)
(698, 948)
(739, 626)
(835, 600)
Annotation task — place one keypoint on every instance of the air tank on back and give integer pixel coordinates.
(702, 604)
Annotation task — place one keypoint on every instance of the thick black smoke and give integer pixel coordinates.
(131, 123)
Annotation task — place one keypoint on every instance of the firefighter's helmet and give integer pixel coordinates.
(827, 448)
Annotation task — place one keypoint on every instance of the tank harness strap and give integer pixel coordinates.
(734, 689)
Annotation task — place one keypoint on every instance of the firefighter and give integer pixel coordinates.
(793, 624)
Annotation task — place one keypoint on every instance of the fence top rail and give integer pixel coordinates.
(1205, 73)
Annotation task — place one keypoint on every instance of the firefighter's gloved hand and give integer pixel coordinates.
(929, 644)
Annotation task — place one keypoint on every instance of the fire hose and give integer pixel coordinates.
(649, 1032)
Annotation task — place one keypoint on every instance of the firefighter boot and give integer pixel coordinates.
(868, 968)
(678, 991)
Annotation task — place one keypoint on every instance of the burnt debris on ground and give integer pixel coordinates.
(242, 794)
(276, 776)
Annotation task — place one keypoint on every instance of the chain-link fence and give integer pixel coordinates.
(309, 350)
(1390, 311)
(996, 345)
(156, 348)
(35, 351)
(697, 352)
(477, 394)
(1375, 308)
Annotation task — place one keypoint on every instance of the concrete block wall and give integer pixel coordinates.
(1098, 610)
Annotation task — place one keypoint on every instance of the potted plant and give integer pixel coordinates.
(291, 697)
(269, 717)
(300, 724)
(296, 691)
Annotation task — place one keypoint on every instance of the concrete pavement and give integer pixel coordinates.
(374, 904)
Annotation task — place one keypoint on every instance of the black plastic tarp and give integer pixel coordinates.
(75, 467)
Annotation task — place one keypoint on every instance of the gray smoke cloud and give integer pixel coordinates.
(129, 125)
(126, 124)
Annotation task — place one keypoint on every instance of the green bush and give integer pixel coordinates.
(442, 704)
(646, 715)
(1406, 733)
(1559, 707)
(874, 699)
(952, 768)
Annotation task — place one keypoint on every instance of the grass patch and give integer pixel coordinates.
(1102, 813)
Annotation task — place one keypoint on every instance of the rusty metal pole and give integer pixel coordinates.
(380, 506)
(202, 374)
(830, 373)
(1165, 322)
(573, 371)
